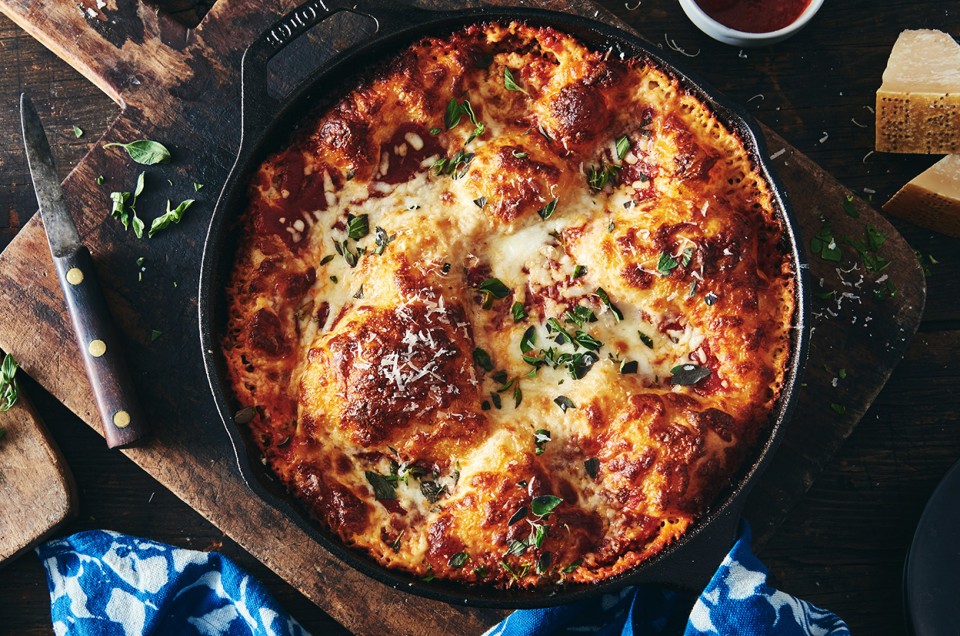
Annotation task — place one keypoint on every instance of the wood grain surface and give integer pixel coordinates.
(36, 486)
(767, 78)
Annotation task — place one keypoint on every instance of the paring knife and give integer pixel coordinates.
(123, 421)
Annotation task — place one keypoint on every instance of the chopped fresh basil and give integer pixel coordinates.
(482, 358)
(540, 438)
(516, 548)
(581, 363)
(458, 560)
(573, 566)
(519, 313)
(825, 246)
(154, 334)
(605, 299)
(538, 534)
(666, 264)
(432, 491)
(587, 341)
(383, 489)
(168, 217)
(445, 269)
(429, 576)
(382, 239)
(599, 176)
(436, 130)
(358, 226)
(77, 132)
(579, 315)
(528, 339)
(592, 466)
(564, 403)
(497, 402)
(519, 154)
(839, 409)
(326, 259)
(645, 339)
(688, 374)
(547, 211)
(100, 180)
(623, 147)
(517, 395)
(686, 256)
(509, 83)
(9, 389)
(197, 186)
(579, 270)
(144, 151)
(451, 118)
(843, 374)
(495, 287)
(543, 562)
(629, 367)
(543, 505)
(518, 515)
(710, 298)
(481, 202)
(543, 131)
(848, 207)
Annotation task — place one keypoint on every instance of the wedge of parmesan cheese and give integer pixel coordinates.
(918, 105)
(932, 199)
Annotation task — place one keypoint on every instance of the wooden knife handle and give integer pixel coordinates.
(123, 421)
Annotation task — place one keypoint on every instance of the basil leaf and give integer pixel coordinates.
(592, 466)
(154, 334)
(688, 374)
(458, 560)
(77, 131)
(509, 83)
(544, 504)
(539, 534)
(358, 227)
(543, 562)
(495, 287)
(825, 245)
(686, 256)
(579, 270)
(564, 403)
(139, 188)
(517, 395)
(587, 341)
(435, 130)
(144, 151)
(540, 438)
(645, 339)
(606, 301)
(482, 358)
(481, 202)
(519, 313)
(516, 548)
(628, 367)
(326, 259)
(666, 264)
(623, 147)
(529, 337)
(137, 223)
(119, 209)
(452, 116)
(9, 389)
(197, 186)
(848, 207)
(518, 515)
(573, 566)
(519, 154)
(432, 491)
(383, 489)
(547, 211)
(168, 217)
(581, 363)
(710, 298)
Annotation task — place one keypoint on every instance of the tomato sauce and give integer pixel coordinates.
(754, 16)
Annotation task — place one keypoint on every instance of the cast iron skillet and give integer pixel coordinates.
(686, 564)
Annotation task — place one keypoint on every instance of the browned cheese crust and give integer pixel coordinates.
(459, 310)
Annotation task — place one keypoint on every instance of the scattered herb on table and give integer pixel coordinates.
(9, 389)
(144, 151)
(77, 132)
(170, 216)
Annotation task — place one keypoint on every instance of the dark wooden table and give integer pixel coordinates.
(844, 545)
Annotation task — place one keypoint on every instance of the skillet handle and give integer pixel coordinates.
(258, 107)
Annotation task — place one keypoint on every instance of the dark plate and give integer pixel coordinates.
(690, 561)
(931, 577)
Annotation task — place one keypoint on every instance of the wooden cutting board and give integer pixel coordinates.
(37, 491)
(181, 87)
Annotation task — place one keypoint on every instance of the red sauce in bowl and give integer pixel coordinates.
(754, 16)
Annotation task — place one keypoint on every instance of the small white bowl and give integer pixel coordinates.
(725, 34)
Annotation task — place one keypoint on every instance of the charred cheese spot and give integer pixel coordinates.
(394, 307)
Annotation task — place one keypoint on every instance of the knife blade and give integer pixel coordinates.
(120, 413)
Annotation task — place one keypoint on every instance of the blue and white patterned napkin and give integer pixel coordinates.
(108, 584)
(104, 584)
